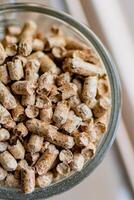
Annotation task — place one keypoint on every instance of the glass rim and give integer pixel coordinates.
(77, 177)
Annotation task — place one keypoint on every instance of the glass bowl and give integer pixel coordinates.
(45, 17)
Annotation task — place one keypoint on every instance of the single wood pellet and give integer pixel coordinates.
(55, 105)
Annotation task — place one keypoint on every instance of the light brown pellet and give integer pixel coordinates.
(59, 52)
(63, 78)
(63, 169)
(31, 111)
(103, 87)
(26, 38)
(78, 162)
(13, 30)
(73, 44)
(61, 113)
(9, 125)
(44, 180)
(46, 114)
(4, 135)
(3, 146)
(73, 102)
(42, 102)
(22, 87)
(68, 90)
(36, 55)
(15, 70)
(83, 111)
(81, 139)
(45, 82)
(4, 77)
(3, 174)
(72, 123)
(47, 65)
(89, 151)
(17, 150)
(31, 70)
(56, 40)
(27, 180)
(35, 143)
(20, 165)
(46, 161)
(6, 98)
(101, 107)
(21, 130)
(5, 116)
(89, 88)
(66, 156)
(7, 161)
(11, 49)
(78, 66)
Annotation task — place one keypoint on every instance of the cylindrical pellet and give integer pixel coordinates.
(79, 66)
(46, 161)
(83, 111)
(5, 116)
(78, 162)
(47, 65)
(89, 88)
(4, 135)
(45, 180)
(31, 70)
(61, 113)
(17, 150)
(13, 30)
(4, 77)
(21, 164)
(21, 130)
(27, 180)
(72, 123)
(22, 87)
(46, 82)
(6, 98)
(26, 38)
(46, 114)
(3, 146)
(35, 143)
(15, 70)
(31, 111)
(7, 161)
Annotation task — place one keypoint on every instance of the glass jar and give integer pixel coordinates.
(18, 13)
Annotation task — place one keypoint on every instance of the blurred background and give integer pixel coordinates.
(113, 22)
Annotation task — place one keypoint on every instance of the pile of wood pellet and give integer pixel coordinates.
(54, 105)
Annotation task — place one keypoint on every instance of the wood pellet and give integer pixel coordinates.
(55, 105)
